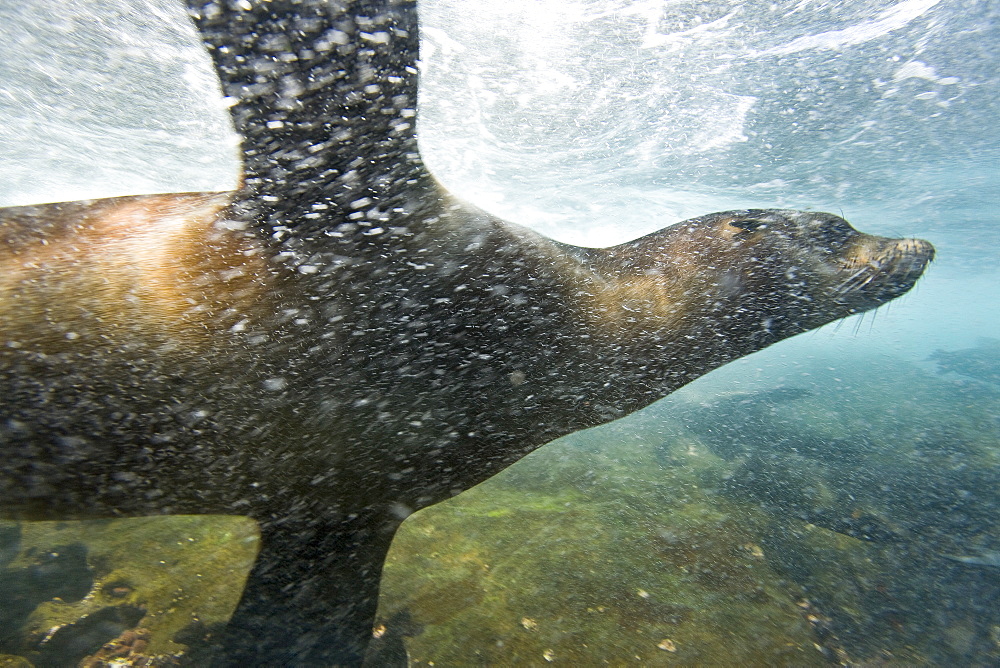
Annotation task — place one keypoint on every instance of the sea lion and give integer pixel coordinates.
(341, 342)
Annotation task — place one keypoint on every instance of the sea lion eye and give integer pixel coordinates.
(749, 224)
(834, 233)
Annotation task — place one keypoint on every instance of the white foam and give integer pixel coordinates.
(891, 19)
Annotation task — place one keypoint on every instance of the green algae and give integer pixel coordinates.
(610, 564)
(179, 569)
(12, 661)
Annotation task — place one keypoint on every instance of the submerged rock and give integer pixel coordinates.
(159, 574)
(981, 362)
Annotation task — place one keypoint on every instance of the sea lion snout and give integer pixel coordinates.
(881, 268)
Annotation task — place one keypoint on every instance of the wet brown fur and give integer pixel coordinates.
(161, 266)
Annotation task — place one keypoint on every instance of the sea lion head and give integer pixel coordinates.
(757, 276)
(803, 269)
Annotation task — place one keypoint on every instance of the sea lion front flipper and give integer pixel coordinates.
(311, 596)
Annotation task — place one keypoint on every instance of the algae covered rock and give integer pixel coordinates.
(170, 576)
(623, 562)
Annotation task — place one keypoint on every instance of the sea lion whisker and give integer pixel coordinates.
(850, 278)
(860, 321)
(856, 282)
(871, 326)
(868, 279)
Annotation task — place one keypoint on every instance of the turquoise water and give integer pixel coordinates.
(596, 122)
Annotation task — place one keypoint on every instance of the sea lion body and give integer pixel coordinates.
(342, 342)
(141, 306)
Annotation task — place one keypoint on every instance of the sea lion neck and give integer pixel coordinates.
(324, 98)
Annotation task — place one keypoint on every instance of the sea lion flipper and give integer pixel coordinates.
(311, 595)
(324, 99)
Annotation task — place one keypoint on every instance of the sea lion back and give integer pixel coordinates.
(122, 270)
